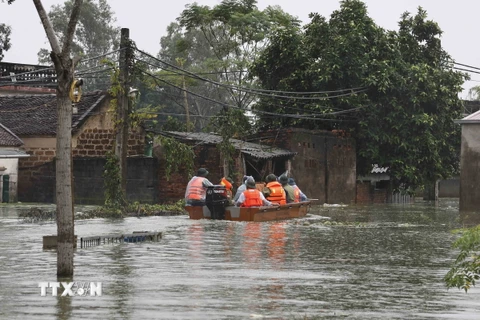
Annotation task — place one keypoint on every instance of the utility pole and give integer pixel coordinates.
(180, 62)
(185, 101)
(122, 114)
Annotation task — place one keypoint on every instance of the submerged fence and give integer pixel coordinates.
(117, 238)
(401, 198)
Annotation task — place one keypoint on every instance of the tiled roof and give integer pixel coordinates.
(8, 138)
(254, 149)
(36, 115)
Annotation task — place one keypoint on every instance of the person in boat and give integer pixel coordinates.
(240, 189)
(289, 191)
(228, 183)
(274, 191)
(197, 189)
(299, 195)
(252, 197)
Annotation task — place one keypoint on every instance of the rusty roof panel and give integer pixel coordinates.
(253, 149)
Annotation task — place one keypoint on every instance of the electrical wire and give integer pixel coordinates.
(253, 90)
(295, 116)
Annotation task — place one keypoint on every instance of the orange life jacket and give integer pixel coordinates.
(195, 189)
(277, 194)
(252, 198)
(296, 193)
(228, 187)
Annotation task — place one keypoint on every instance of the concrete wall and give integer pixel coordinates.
(89, 183)
(11, 169)
(470, 168)
(449, 188)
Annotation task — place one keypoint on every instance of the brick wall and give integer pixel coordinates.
(206, 156)
(97, 142)
(325, 165)
(88, 185)
(368, 194)
(364, 195)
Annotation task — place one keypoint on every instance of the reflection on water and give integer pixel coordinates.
(381, 262)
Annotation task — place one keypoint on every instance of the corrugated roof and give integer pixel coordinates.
(13, 153)
(253, 149)
(36, 115)
(8, 138)
(473, 118)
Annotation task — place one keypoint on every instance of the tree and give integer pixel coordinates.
(465, 271)
(5, 32)
(64, 67)
(218, 44)
(474, 93)
(394, 92)
(95, 36)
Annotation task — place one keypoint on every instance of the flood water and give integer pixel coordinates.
(369, 262)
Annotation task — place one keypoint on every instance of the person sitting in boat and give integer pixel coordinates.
(289, 191)
(197, 189)
(252, 197)
(299, 195)
(228, 183)
(274, 191)
(240, 189)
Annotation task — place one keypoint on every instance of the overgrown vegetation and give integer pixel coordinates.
(395, 92)
(465, 271)
(114, 198)
(135, 209)
(177, 155)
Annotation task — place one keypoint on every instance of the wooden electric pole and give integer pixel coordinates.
(122, 115)
(181, 62)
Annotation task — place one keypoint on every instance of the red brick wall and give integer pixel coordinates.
(367, 194)
(325, 165)
(97, 142)
(364, 195)
(173, 189)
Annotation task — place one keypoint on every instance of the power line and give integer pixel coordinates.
(253, 90)
(466, 65)
(295, 116)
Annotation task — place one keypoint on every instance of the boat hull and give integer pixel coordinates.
(282, 212)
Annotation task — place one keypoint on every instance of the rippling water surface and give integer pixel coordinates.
(375, 262)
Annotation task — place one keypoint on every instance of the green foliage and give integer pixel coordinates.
(229, 123)
(402, 114)
(465, 271)
(218, 43)
(173, 124)
(139, 209)
(95, 35)
(5, 32)
(177, 155)
(114, 197)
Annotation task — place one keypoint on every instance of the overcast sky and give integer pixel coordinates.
(148, 19)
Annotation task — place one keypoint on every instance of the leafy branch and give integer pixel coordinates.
(465, 271)
(177, 155)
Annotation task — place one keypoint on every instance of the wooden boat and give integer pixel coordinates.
(232, 213)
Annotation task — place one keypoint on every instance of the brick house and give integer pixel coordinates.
(252, 159)
(33, 118)
(10, 153)
(325, 163)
